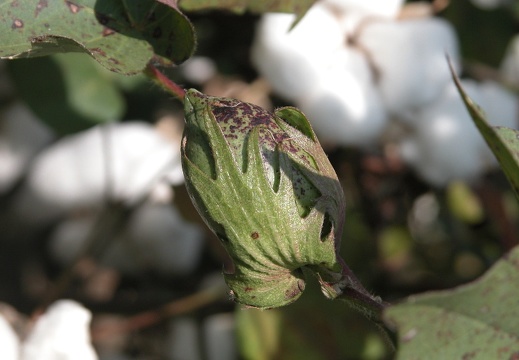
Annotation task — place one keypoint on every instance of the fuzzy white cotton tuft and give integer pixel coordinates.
(345, 107)
(9, 342)
(290, 59)
(500, 105)
(62, 332)
(410, 58)
(446, 144)
(121, 161)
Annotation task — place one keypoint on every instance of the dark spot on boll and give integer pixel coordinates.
(255, 235)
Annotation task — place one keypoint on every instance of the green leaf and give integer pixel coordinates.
(299, 7)
(122, 35)
(503, 142)
(69, 92)
(474, 321)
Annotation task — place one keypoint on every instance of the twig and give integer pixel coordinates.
(152, 317)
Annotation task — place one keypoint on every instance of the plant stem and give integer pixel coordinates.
(357, 297)
(164, 82)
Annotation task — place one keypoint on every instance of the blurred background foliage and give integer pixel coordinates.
(402, 236)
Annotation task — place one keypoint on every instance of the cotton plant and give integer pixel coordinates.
(385, 71)
(62, 332)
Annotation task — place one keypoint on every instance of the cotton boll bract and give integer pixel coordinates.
(345, 107)
(290, 59)
(410, 58)
(121, 161)
(62, 332)
(446, 144)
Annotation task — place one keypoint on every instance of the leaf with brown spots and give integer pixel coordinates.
(503, 142)
(474, 321)
(122, 35)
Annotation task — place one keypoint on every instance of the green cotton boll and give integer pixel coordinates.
(265, 187)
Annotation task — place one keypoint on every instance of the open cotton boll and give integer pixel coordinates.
(499, 104)
(156, 238)
(446, 145)
(410, 58)
(345, 108)
(62, 332)
(162, 240)
(22, 135)
(10, 344)
(383, 8)
(68, 238)
(121, 160)
(290, 59)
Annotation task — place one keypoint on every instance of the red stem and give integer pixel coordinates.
(164, 82)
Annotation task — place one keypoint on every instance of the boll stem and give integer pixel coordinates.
(164, 82)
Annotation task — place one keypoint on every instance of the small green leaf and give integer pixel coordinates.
(474, 321)
(503, 142)
(69, 92)
(122, 35)
(299, 7)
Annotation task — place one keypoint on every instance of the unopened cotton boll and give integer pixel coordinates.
(446, 144)
(382, 8)
(122, 161)
(10, 344)
(22, 136)
(345, 107)
(62, 332)
(409, 56)
(290, 59)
